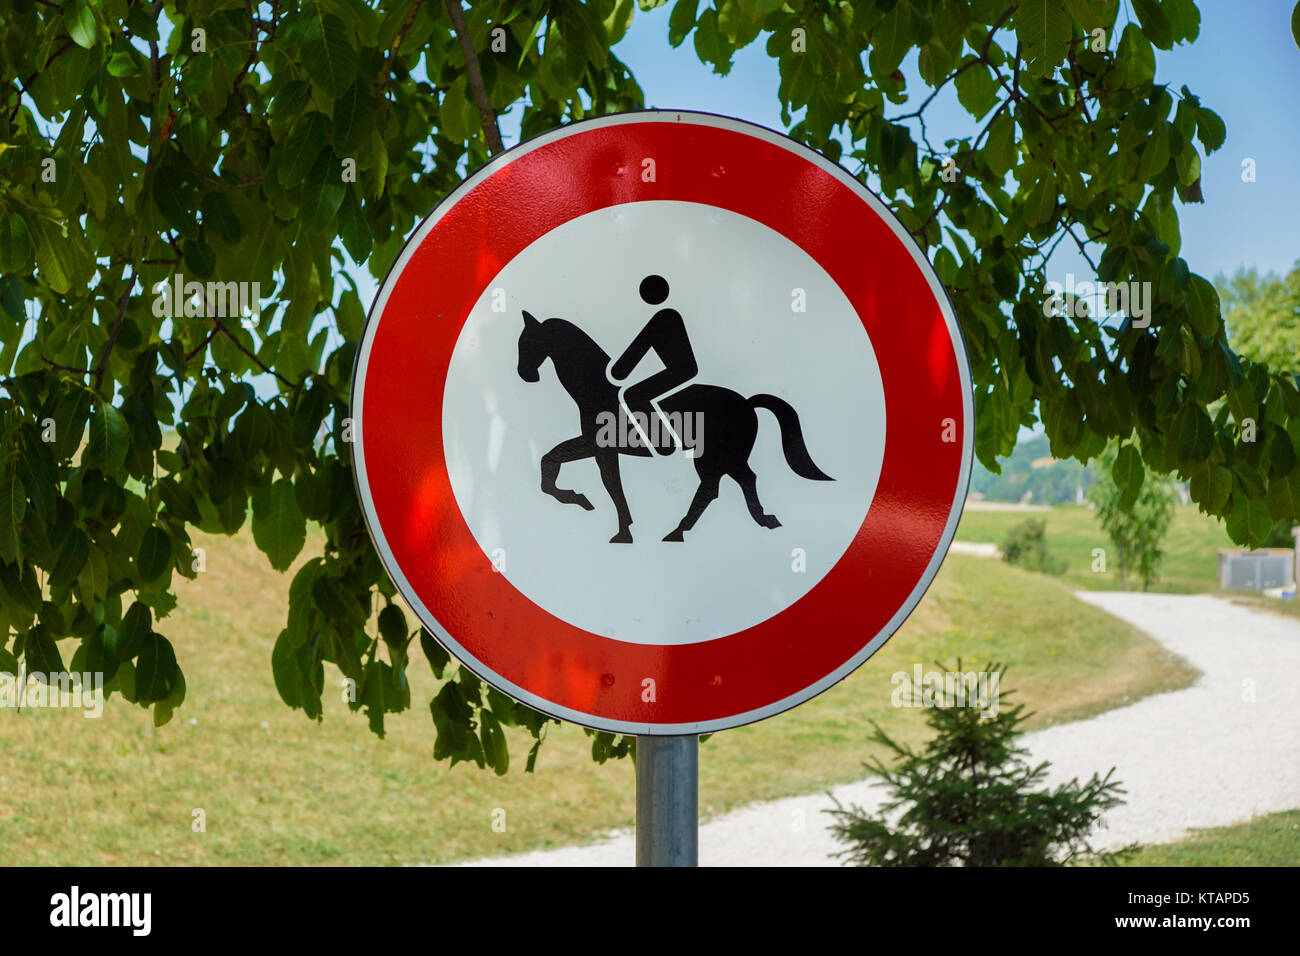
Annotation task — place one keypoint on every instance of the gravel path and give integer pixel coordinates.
(1218, 752)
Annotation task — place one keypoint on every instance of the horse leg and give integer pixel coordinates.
(572, 449)
(748, 482)
(705, 493)
(607, 461)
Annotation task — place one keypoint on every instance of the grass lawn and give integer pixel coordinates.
(1260, 602)
(277, 788)
(1271, 840)
(1191, 547)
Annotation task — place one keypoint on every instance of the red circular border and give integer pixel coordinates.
(405, 378)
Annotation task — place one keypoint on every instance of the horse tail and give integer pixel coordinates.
(796, 452)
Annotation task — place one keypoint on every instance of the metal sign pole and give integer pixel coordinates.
(667, 801)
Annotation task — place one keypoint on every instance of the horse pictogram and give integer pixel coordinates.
(727, 418)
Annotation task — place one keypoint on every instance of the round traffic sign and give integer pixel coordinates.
(662, 423)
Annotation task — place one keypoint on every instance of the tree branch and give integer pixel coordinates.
(392, 53)
(22, 88)
(487, 115)
(962, 171)
(155, 74)
(117, 327)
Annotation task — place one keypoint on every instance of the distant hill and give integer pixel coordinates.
(1031, 468)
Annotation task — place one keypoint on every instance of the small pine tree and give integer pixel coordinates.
(969, 799)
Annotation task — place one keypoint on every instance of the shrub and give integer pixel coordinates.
(968, 798)
(1026, 546)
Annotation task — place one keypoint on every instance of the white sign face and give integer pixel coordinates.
(762, 317)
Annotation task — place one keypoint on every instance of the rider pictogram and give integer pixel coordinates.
(665, 335)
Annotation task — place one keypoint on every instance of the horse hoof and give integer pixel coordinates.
(623, 537)
(582, 502)
(674, 536)
(769, 521)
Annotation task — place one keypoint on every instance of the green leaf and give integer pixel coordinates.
(109, 436)
(1040, 204)
(354, 230)
(156, 671)
(8, 663)
(1210, 129)
(141, 24)
(1128, 473)
(1155, 23)
(1249, 521)
(298, 153)
(170, 189)
(55, 258)
(495, 750)
(220, 216)
(1188, 162)
(1195, 435)
(164, 709)
(890, 41)
(1210, 487)
(354, 116)
(20, 586)
(328, 56)
(374, 694)
(122, 63)
(1000, 147)
(1202, 306)
(279, 527)
(72, 559)
(1155, 155)
(977, 91)
(392, 626)
(1135, 57)
(128, 640)
(13, 505)
(93, 580)
(434, 653)
(708, 42)
(15, 244)
(92, 657)
(79, 18)
(155, 554)
(41, 652)
(1044, 28)
(1284, 497)
(285, 668)
(681, 20)
(1295, 24)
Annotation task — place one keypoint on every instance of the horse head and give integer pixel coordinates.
(532, 349)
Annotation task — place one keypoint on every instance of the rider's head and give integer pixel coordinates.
(654, 289)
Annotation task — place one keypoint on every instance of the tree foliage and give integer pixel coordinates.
(273, 142)
(969, 798)
(1263, 317)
